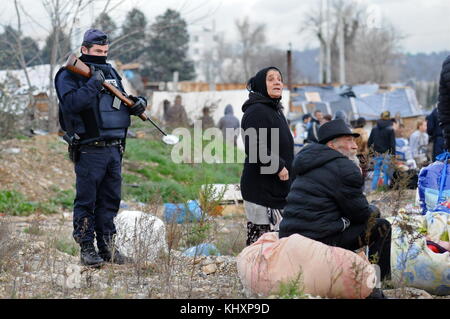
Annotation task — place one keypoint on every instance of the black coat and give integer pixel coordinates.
(265, 189)
(382, 137)
(433, 128)
(444, 99)
(327, 187)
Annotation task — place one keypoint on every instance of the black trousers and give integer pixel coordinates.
(375, 234)
(97, 201)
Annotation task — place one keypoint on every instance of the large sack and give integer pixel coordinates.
(323, 270)
(140, 235)
(412, 263)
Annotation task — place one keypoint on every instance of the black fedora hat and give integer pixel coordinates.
(333, 129)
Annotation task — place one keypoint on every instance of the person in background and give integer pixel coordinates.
(315, 124)
(301, 130)
(418, 141)
(230, 122)
(340, 115)
(382, 141)
(207, 120)
(176, 114)
(435, 133)
(265, 182)
(443, 105)
(326, 118)
(166, 107)
(361, 141)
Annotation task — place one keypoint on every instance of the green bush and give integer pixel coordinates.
(64, 199)
(173, 182)
(14, 203)
(67, 246)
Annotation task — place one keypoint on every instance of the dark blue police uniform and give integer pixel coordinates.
(102, 129)
(100, 120)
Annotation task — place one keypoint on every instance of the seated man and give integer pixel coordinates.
(326, 201)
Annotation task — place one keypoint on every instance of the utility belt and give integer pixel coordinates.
(108, 143)
(105, 143)
(74, 146)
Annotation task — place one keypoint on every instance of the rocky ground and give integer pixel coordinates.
(39, 259)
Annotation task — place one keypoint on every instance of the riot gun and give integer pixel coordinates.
(77, 66)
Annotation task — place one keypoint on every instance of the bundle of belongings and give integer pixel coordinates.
(420, 255)
(315, 268)
(420, 245)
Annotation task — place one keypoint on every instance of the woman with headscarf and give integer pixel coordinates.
(269, 149)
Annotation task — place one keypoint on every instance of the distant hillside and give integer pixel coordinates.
(306, 65)
(421, 67)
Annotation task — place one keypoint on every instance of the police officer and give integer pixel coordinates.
(96, 123)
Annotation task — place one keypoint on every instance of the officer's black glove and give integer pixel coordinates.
(140, 103)
(97, 76)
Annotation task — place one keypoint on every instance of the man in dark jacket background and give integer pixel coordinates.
(443, 108)
(382, 143)
(326, 200)
(435, 133)
(316, 121)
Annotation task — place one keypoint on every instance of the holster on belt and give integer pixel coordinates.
(73, 146)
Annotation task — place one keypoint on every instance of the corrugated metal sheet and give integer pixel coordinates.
(367, 102)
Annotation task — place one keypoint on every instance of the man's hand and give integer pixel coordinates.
(140, 103)
(284, 174)
(97, 76)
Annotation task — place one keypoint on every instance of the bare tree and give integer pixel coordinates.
(15, 44)
(252, 39)
(375, 55)
(63, 15)
(348, 13)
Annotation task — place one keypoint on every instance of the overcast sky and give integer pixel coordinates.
(424, 23)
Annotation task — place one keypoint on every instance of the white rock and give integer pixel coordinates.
(209, 269)
(12, 150)
(140, 235)
(73, 276)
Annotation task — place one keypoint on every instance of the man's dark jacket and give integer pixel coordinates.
(265, 189)
(327, 186)
(382, 137)
(444, 100)
(433, 128)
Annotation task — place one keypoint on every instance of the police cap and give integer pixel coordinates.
(94, 36)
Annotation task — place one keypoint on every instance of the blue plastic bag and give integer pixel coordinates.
(182, 213)
(202, 250)
(434, 184)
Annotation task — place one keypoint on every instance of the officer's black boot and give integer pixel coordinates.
(113, 255)
(89, 256)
